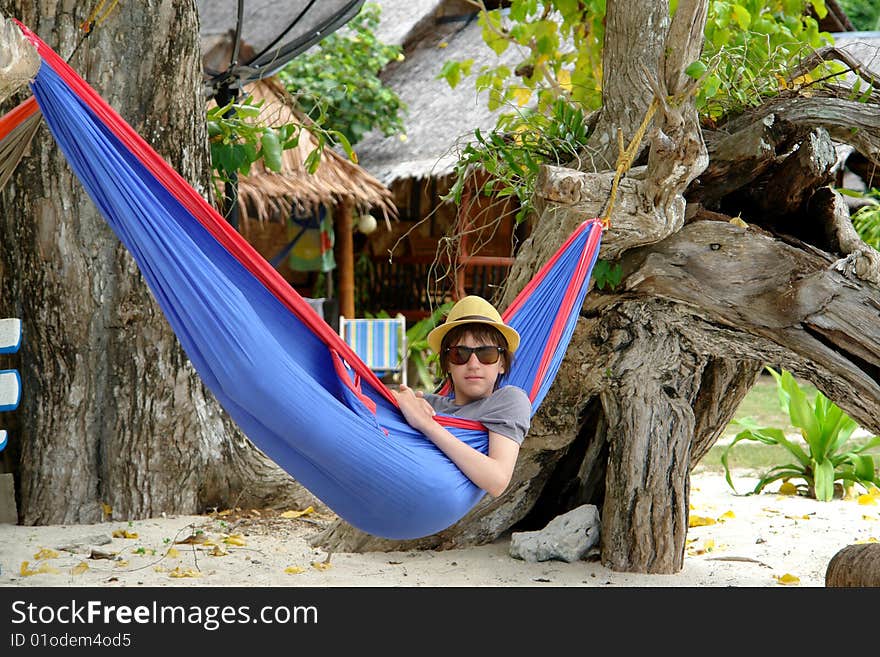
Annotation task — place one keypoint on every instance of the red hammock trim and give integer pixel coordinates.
(571, 293)
(13, 118)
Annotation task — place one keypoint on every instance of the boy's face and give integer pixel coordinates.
(474, 380)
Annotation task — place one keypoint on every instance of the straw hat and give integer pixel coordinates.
(473, 310)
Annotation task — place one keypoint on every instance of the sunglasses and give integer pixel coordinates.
(486, 355)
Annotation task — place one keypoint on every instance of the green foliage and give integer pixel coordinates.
(337, 84)
(607, 274)
(750, 47)
(863, 14)
(514, 150)
(561, 58)
(238, 139)
(826, 430)
(866, 219)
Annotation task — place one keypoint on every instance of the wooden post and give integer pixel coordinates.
(345, 258)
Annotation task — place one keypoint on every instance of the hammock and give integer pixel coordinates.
(292, 385)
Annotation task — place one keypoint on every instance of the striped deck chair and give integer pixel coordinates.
(379, 342)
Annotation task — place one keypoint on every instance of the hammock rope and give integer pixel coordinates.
(272, 363)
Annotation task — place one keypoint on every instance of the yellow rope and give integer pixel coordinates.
(93, 20)
(625, 158)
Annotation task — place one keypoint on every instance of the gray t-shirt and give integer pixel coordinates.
(507, 411)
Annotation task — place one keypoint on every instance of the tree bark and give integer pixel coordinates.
(854, 566)
(112, 411)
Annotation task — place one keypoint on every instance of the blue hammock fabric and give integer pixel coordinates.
(298, 392)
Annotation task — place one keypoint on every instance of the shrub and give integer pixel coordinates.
(827, 456)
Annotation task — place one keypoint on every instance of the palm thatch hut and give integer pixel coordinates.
(426, 266)
(266, 200)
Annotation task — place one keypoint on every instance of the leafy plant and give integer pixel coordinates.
(513, 152)
(750, 45)
(337, 84)
(826, 430)
(863, 15)
(238, 139)
(866, 220)
(607, 274)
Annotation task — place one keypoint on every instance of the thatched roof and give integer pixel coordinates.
(401, 20)
(863, 46)
(438, 118)
(266, 195)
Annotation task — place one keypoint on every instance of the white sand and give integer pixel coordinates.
(766, 537)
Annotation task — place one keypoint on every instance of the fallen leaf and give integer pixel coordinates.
(294, 570)
(218, 552)
(867, 499)
(321, 565)
(43, 569)
(787, 580)
(872, 539)
(727, 515)
(788, 488)
(225, 512)
(707, 546)
(700, 521)
(46, 553)
(235, 539)
(124, 533)
(177, 572)
(122, 563)
(871, 518)
(173, 553)
(298, 514)
(79, 568)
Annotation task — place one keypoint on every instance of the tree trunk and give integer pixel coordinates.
(855, 565)
(112, 411)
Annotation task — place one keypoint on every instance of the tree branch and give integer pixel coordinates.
(19, 61)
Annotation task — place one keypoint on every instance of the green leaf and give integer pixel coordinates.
(271, 150)
(696, 69)
(799, 410)
(823, 473)
(863, 467)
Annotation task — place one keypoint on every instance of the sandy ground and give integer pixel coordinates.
(768, 540)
